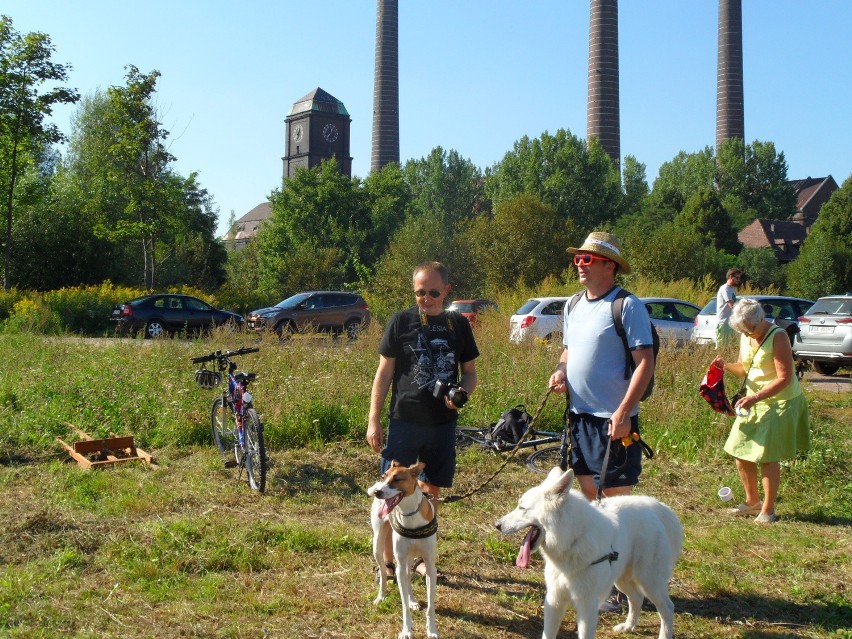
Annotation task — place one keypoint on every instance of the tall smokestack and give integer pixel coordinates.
(603, 120)
(730, 109)
(386, 86)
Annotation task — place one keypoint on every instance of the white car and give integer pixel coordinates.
(539, 318)
(826, 334)
(674, 319)
(542, 318)
(786, 310)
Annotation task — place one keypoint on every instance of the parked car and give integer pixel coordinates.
(778, 308)
(163, 313)
(825, 334)
(324, 311)
(674, 319)
(471, 308)
(538, 318)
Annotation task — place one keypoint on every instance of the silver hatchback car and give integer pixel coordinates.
(825, 335)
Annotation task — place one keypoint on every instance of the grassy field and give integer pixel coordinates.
(187, 550)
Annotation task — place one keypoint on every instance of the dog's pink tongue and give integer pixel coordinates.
(388, 505)
(523, 560)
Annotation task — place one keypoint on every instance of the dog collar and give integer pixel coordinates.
(413, 533)
(613, 556)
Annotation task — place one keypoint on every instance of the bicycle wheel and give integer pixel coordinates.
(544, 459)
(223, 427)
(466, 437)
(255, 451)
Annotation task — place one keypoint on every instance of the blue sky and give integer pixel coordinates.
(475, 76)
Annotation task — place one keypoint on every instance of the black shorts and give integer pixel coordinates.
(435, 446)
(588, 445)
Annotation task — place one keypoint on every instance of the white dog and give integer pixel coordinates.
(631, 541)
(401, 506)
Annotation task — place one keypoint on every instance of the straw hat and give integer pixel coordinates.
(606, 245)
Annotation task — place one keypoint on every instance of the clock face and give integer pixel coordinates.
(298, 132)
(330, 133)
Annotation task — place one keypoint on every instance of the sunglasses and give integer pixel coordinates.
(587, 259)
(432, 293)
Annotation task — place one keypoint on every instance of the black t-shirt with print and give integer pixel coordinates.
(451, 342)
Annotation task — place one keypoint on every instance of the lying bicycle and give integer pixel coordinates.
(514, 431)
(236, 427)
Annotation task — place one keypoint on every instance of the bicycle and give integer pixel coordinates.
(242, 433)
(540, 461)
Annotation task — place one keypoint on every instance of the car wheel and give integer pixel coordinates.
(353, 329)
(155, 328)
(825, 368)
(285, 330)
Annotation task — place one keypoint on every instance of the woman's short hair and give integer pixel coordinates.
(747, 314)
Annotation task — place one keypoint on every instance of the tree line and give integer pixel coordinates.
(113, 207)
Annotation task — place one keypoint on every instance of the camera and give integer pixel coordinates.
(455, 393)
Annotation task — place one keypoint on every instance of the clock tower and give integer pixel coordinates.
(317, 128)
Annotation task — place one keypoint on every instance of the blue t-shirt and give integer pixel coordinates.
(596, 357)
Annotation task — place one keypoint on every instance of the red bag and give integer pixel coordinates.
(712, 389)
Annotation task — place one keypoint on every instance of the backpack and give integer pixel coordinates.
(618, 320)
(511, 427)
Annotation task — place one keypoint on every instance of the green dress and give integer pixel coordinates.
(775, 428)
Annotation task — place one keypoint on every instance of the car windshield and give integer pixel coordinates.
(293, 301)
(462, 307)
(832, 306)
(526, 308)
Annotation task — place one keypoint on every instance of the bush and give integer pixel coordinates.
(32, 316)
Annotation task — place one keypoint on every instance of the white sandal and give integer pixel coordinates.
(744, 510)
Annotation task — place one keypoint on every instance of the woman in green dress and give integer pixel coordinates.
(772, 416)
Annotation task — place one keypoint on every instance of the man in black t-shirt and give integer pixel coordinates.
(422, 345)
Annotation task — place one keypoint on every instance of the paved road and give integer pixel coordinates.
(840, 383)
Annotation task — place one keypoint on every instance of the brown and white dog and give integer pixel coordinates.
(400, 508)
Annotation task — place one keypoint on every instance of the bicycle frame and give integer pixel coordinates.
(241, 435)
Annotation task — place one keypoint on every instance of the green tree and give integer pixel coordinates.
(523, 243)
(388, 200)
(445, 183)
(119, 175)
(675, 252)
(422, 237)
(138, 165)
(824, 265)
(577, 180)
(761, 267)
(752, 181)
(704, 213)
(635, 184)
(681, 178)
(321, 216)
(25, 69)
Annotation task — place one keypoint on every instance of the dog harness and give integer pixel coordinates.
(420, 532)
(613, 556)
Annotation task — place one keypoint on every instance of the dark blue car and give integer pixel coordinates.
(160, 314)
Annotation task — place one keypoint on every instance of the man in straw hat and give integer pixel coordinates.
(604, 395)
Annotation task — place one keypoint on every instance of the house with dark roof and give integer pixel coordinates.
(811, 194)
(785, 237)
(246, 228)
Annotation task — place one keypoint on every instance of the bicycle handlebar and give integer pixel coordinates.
(219, 355)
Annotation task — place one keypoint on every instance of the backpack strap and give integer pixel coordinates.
(618, 320)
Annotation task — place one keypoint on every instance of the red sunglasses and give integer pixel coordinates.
(586, 258)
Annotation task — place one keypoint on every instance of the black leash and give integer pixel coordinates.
(602, 476)
(625, 441)
(517, 447)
